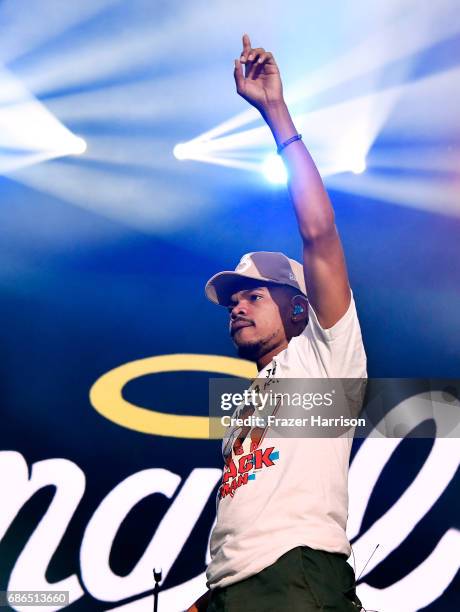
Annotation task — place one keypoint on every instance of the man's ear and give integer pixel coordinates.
(299, 308)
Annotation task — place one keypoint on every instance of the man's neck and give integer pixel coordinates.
(265, 359)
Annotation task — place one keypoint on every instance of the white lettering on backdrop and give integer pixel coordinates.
(415, 590)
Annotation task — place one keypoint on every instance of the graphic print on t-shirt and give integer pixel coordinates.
(240, 467)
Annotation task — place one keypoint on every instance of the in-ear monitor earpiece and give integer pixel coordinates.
(298, 309)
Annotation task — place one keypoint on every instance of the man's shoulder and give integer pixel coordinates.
(334, 352)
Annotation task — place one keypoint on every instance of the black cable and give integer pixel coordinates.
(356, 579)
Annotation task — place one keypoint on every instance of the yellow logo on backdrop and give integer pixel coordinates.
(106, 394)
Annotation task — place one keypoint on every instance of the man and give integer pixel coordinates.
(279, 542)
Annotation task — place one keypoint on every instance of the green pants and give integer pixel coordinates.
(302, 580)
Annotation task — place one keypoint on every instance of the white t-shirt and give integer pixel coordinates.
(293, 492)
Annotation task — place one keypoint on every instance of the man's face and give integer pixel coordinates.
(259, 318)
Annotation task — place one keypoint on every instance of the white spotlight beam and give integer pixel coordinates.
(442, 158)
(228, 162)
(158, 99)
(25, 30)
(254, 138)
(428, 108)
(439, 195)
(340, 136)
(149, 204)
(425, 25)
(29, 133)
(146, 42)
(234, 123)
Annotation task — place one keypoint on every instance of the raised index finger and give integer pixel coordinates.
(246, 43)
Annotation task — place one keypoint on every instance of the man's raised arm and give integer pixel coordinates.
(324, 262)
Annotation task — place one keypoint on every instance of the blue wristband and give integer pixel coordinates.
(288, 142)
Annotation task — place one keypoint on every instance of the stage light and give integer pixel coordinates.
(80, 146)
(29, 132)
(342, 101)
(358, 166)
(274, 170)
(180, 151)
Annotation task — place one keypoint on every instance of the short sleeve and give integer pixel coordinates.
(340, 328)
(340, 348)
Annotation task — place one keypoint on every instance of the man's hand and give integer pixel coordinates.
(261, 84)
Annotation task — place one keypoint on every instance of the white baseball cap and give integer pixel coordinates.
(267, 266)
